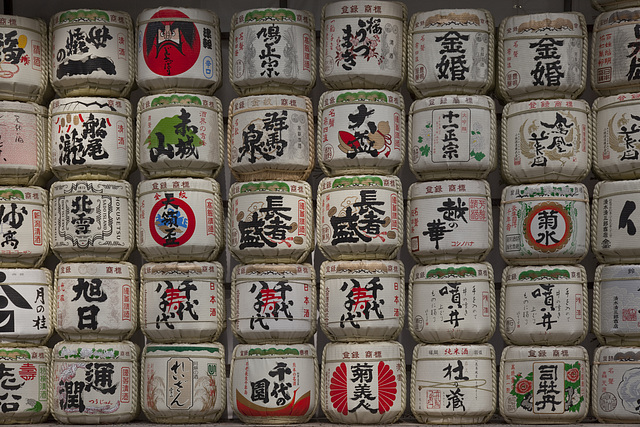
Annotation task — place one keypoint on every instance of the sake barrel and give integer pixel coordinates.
(271, 137)
(26, 296)
(452, 137)
(360, 132)
(545, 141)
(544, 305)
(274, 383)
(544, 385)
(360, 217)
(25, 386)
(183, 383)
(179, 219)
(182, 301)
(363, 383)
(452, 303)
(362, 300)
(273, 303)
(94, 383)
(92, 53)
(96, 301)
(615, 304)
(616, 152)
(363, 44)
(613, 4)
(24, 153)
(270, 221)
(542, 55)
(453, 384)
(449, 221)
(614, 55)
(179, 50)
(179, 134)
(91, 138)
(273, 51)
(24, 217)
(613, 221)
(450, 51)
(92, 220)
(614, 384)
(544, 224)
(25, 60)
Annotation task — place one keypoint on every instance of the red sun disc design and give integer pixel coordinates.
(387, 387)
(183, 207)
(171, 43)
(338, 389)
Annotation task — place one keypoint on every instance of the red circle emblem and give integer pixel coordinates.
(548, 227)
(172, 45)
(171, 222)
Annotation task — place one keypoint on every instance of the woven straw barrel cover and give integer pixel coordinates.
(92, 53)
(615, 378)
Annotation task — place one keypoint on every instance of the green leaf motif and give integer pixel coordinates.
(425, 150)
(575, 407)
(475, 132)
(420, 139)
(167, 128)
(478, 156)
(37, 407)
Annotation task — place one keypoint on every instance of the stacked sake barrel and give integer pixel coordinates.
(452, 148)
(180, 232)
(614, 125)
(94, 374)
(272, 67)
(26, 291)
(544, 218)
(360, 220)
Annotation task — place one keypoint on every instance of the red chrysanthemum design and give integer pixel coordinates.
(523, 386)
(387, 387)
(338, 389)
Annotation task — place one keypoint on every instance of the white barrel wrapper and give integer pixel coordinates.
(615, 304)
(614, 55)
(273, 51)
(544, 224)
(452, 136)
(363, 383)
(25, 386)
(270, 221)
(615, 383)
(92, 53)
(186, 61)
(362, 300)
(26, 61)
(450, 51)
(449, 221)
(27, 308)
(363, 44)
(613, 4)
(273, 303)
(91, 138)
(25, 232)
(360, 217)
(182, 301)
(274, 383)
(96, 301)
(92, 220)
(614, 220)
(545, 141)
(183, 383)
(545, 305)
(452, 303)
(94, 383)
(25, 148)
(271, 137)
(179, 134)
(179, 219)
(453, 384)
(544, 385)
(360, 132)
(542, 55)
(616, 148)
